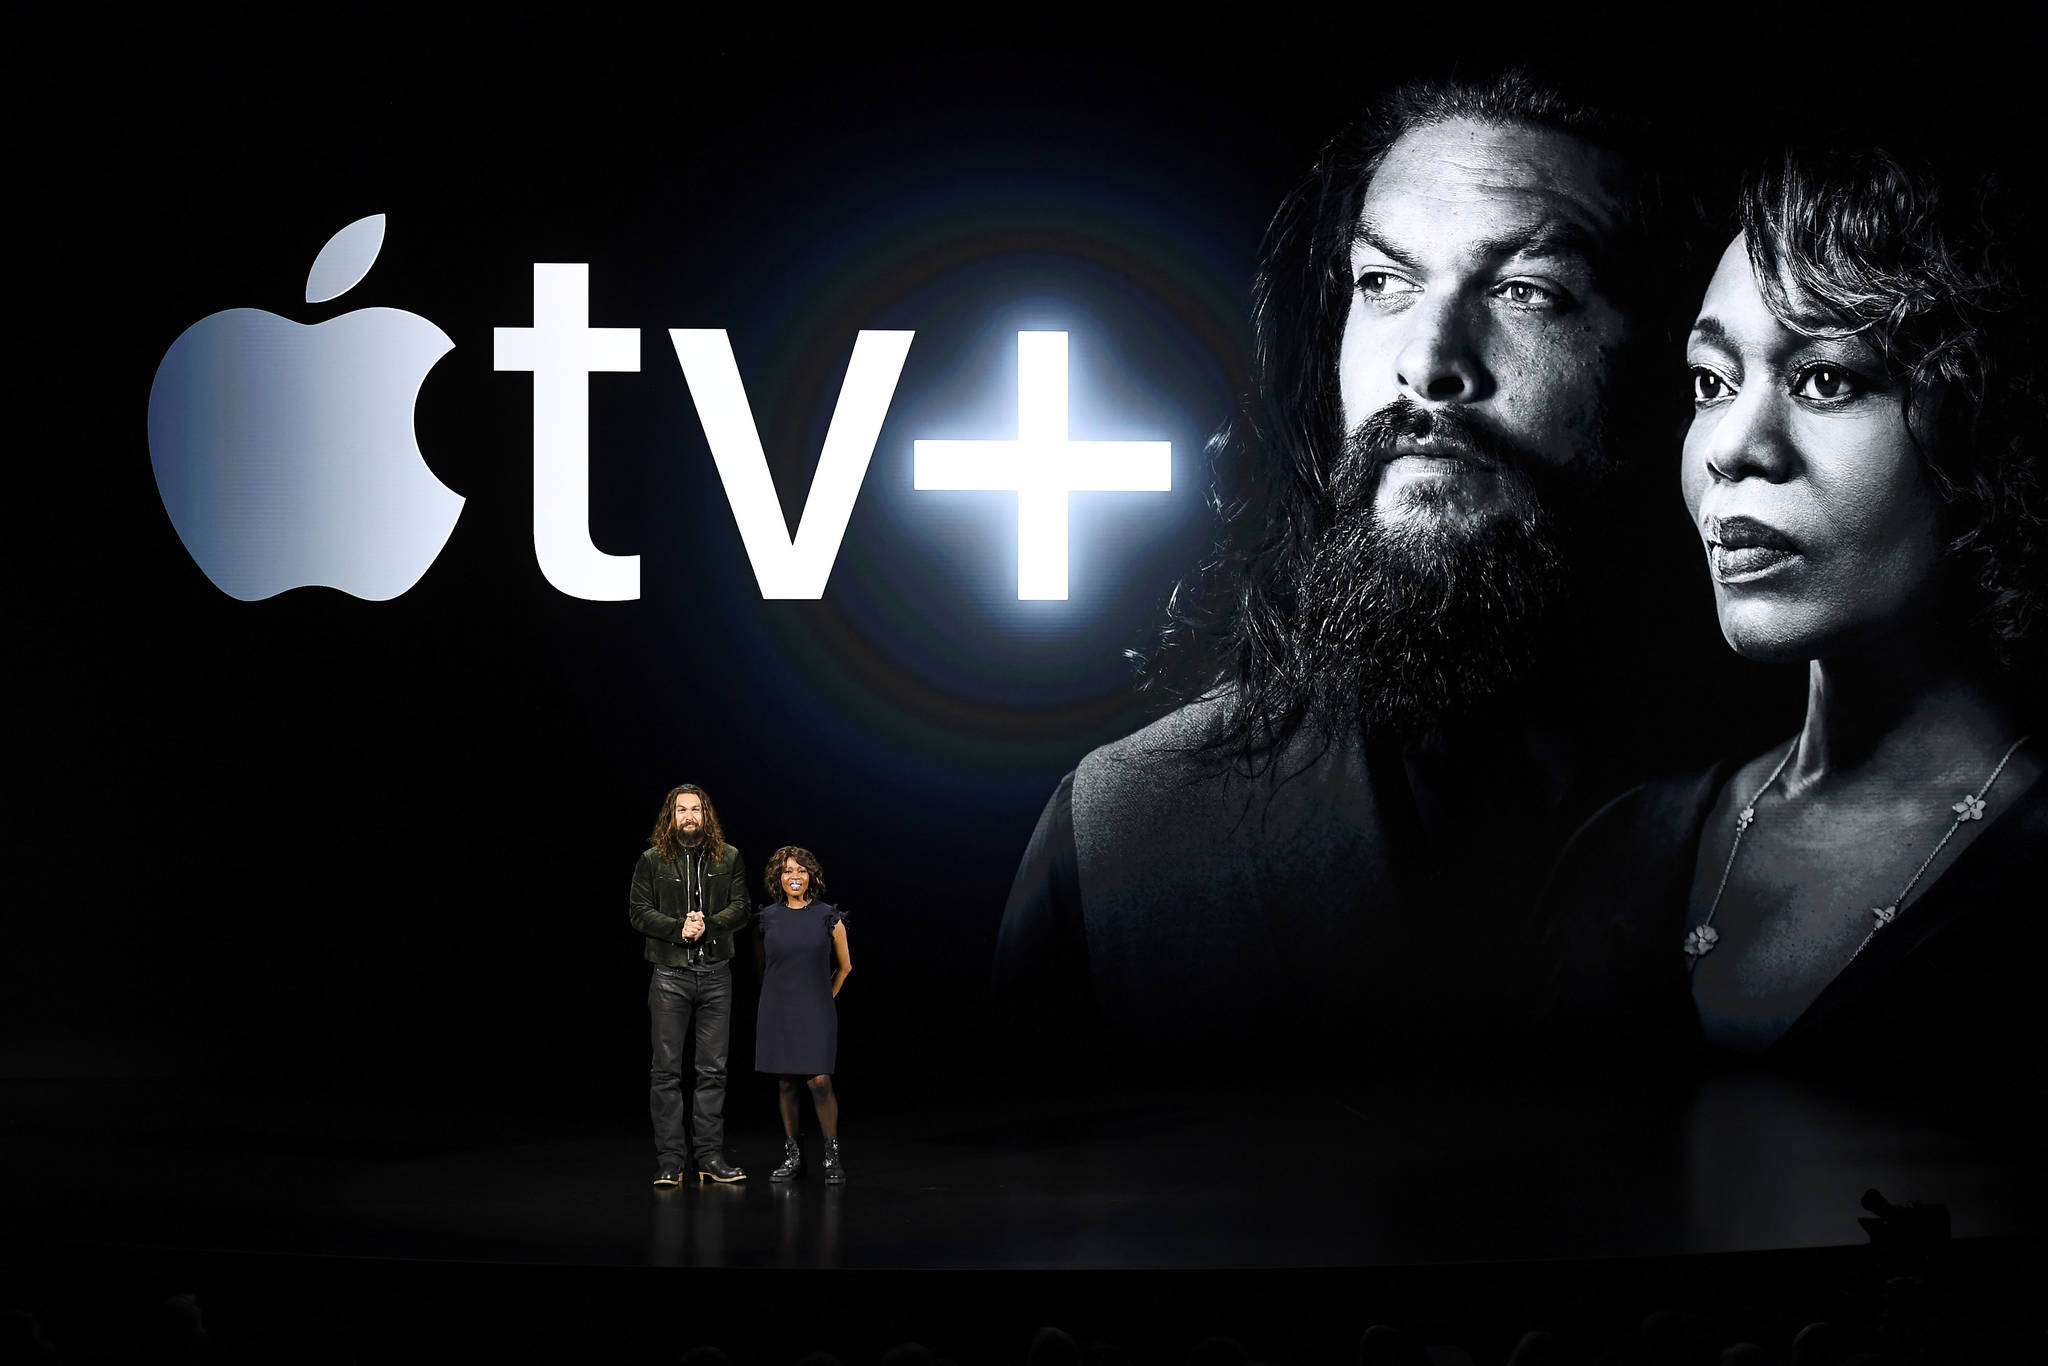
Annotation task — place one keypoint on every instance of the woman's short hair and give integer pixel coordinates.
(1923, 267)
(805, 859)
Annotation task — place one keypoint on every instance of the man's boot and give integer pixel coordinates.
(714, 1167)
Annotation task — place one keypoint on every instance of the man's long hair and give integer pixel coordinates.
(1232, 628)
(668, 840)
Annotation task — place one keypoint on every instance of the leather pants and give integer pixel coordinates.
(682, 1002)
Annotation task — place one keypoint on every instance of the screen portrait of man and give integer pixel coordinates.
(1337, 831)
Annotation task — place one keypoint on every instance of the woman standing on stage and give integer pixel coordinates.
(803, 944)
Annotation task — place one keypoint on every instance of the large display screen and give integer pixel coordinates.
(437, 436)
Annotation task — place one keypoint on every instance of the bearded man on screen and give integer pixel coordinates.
(1388, 732)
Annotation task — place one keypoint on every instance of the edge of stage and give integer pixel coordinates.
(315, 1221)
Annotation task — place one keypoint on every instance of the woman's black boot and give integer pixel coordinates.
(835, 1170)
(792, 1161)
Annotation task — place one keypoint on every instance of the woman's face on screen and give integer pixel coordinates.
(795, 879)
(1802, 479)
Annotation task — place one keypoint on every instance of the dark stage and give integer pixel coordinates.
(419, 1227)
(1386, 1176)
(319, 998)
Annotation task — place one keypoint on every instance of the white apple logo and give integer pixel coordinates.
(285, 452)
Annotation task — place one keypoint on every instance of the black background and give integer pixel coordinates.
(314, 841)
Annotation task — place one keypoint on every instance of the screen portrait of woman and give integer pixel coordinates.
(1863, 470)
(1862, 456)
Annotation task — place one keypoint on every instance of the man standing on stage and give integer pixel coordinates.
(689, 897)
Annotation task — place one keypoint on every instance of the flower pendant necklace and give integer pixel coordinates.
(1701, 938)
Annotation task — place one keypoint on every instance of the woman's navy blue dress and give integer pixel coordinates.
(798, 1030)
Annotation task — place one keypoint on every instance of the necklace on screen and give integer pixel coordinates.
(1702, 938)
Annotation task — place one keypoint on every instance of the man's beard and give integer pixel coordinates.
(688, 837)
(1408, 625)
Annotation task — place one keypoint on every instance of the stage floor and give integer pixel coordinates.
(1293, 1179)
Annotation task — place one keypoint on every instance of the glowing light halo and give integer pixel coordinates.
(1042, 466)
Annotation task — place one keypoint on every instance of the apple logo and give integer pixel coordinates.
(285, 452)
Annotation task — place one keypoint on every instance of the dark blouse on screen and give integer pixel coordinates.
(1949, 994)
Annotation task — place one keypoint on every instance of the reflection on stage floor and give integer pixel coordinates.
(1291, 1179)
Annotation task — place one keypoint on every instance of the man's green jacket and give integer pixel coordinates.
(661, 898)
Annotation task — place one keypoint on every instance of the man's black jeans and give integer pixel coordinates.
(677, 998)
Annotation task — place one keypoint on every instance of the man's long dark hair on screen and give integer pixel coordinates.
(1231, 627)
